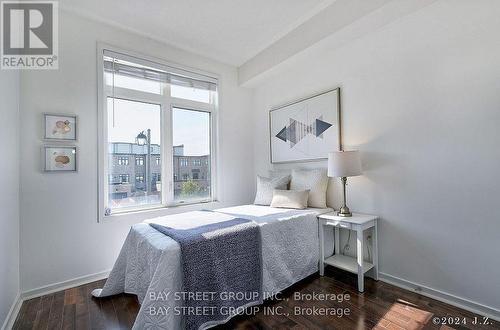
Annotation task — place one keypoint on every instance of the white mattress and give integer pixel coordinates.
(149, 262)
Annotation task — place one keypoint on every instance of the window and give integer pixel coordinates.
(152, 111)
(191, 128)
(129, 121)
(139, 161)
(123, 161)
(113, 179)
(124, 178)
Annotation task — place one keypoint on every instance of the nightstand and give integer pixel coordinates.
(358, 223)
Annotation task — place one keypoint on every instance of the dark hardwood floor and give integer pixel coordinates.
(381, 306)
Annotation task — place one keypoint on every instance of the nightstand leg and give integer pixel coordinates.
(321, 249)
(359, 253)
(375, 251)
(337, 241)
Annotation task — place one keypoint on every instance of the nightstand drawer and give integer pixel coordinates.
(337, 223)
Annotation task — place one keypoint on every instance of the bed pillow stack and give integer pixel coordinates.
(316, 181)
(312, 183)
(266, 186)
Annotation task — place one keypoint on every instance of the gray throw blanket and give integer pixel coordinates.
(222, 270)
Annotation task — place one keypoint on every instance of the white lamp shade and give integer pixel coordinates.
(344, 164)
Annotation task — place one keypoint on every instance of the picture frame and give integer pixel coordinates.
(60, 127)
(60, 158)
(306, 129)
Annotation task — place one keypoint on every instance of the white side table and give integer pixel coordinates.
(359, 223)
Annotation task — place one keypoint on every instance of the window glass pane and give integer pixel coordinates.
(189, 93)
(133, 172)
(191, 137)
(138, 84)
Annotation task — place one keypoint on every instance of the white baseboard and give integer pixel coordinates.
(12, 315)
(51, 288)
(448, 298)
(47, 289)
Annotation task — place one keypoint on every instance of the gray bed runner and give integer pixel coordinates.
(222, 268)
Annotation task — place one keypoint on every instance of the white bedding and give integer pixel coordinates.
(149, 262)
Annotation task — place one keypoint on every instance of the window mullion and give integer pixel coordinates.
(213, 149)
(167, 146)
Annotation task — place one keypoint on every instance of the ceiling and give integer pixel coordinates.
(229, 31)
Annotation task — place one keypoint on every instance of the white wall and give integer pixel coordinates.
(60, 236)
(9, 191)
(421, 100)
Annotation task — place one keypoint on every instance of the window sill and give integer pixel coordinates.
(144, 214)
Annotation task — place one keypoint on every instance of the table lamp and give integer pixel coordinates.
(343, 164)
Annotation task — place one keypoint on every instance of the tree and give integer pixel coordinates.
(190, 188)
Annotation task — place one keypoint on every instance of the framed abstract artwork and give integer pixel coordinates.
(306, 129)
(60, 158)
(60, 127)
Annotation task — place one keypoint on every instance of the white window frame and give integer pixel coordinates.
(167, 104)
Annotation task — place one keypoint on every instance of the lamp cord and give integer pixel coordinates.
(346, 246)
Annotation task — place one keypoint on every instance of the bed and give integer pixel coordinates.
(149, 264)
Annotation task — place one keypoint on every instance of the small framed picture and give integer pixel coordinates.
(60, 158)
(60, 127)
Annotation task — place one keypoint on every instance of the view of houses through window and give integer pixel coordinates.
(132, 177)
(191, 174)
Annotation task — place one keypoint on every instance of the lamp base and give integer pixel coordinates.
(344, 212)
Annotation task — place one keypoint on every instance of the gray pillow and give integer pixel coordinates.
(265, 187)
(314, 180)
(290, 199)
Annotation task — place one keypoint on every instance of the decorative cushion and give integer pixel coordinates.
(279, 174)
(316, 181)
(290, 199)
(265, 187)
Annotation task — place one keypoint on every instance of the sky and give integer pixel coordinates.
(129, 118)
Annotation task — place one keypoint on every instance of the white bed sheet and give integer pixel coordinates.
(149, 264)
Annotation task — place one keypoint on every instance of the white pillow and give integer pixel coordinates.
(279, 174)
(290, 199)
(316, 181)
(265, 187)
